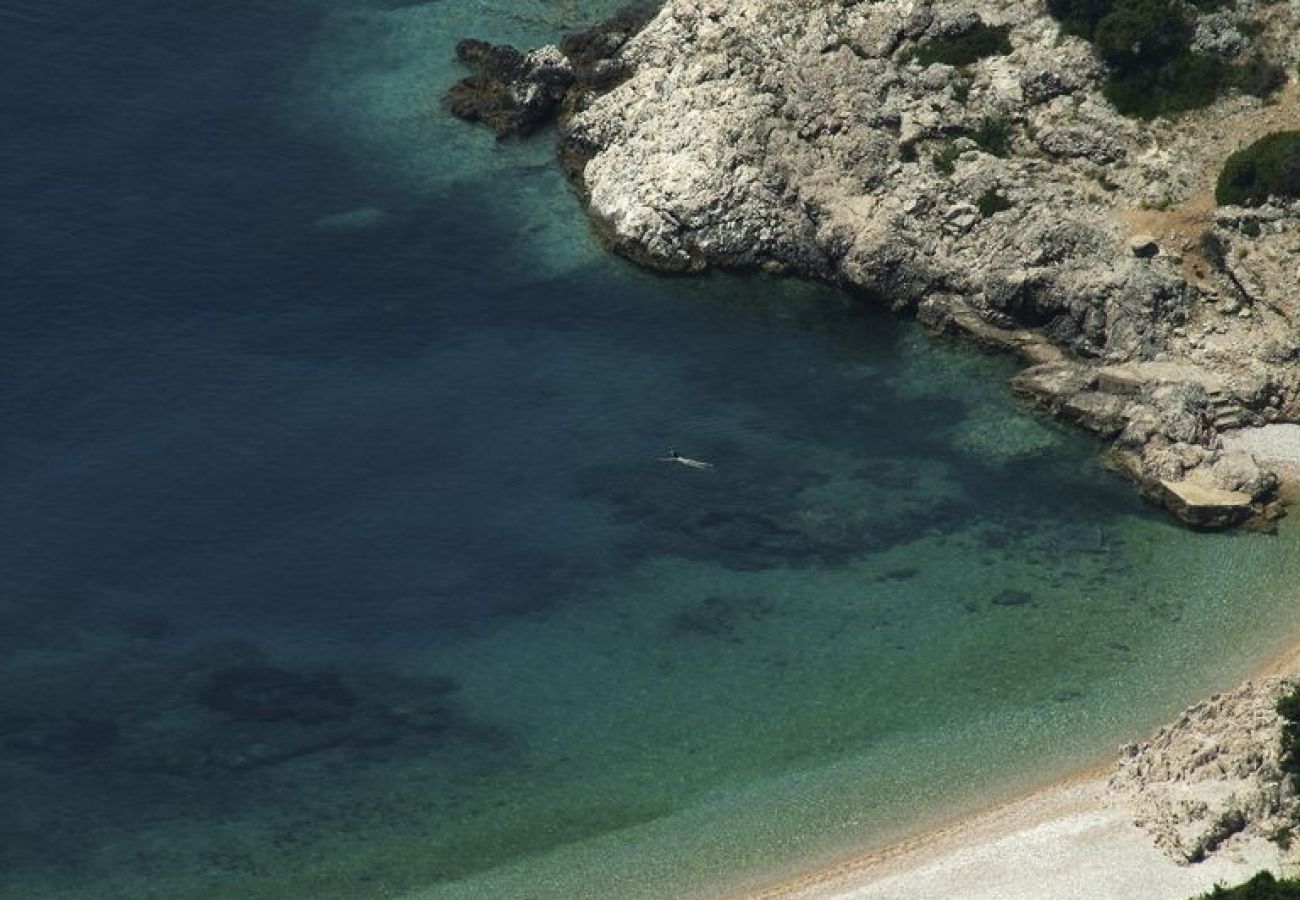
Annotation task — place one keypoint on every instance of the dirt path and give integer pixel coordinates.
(1181, 227)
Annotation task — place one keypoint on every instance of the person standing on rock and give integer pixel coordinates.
(1207, 427)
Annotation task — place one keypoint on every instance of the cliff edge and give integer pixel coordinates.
(1001, 196)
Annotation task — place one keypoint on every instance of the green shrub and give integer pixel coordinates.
(1079, 17)
(1225, 826)
(1258, 77)
(1288, 707)
(965, 48)
(1187, 81)
(994, 136)
(907, 151)
(1262, 887)
(1268, 167)
(945, 161)
(1142, 33)
(1153, 70)
(991, 201)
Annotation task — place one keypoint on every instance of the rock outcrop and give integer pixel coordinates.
(1214, 776)
(802, 137)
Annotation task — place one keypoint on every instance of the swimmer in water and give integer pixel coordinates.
(674, 457)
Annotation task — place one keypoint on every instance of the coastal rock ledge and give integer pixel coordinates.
(1004, 199)
(1214, 778)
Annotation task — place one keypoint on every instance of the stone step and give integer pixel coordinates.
(1234, 418)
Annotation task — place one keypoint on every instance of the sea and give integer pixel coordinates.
(339, 561)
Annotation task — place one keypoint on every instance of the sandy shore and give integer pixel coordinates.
(1072, 839)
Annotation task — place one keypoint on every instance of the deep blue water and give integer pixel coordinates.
(337, 561)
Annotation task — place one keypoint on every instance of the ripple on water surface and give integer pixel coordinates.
(340, 563)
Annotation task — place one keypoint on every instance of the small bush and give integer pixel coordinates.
(1258, 77)
(1139, 34)
(1079, 17)
(965, 48)
(945, 161)
(991, 201)
(1147, 45)
(1228, 824)
(1288, 708)
(1187, 81)
(1268, 167)
(1283, 836)
(994, 136)
(907, 151)
(1262, 887)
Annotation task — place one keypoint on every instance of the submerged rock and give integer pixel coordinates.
(515, 93)
(1011, 597)
(272, 694)
(512, 93)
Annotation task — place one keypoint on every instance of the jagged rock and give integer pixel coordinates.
(804, 138)
(1213, 777)
(1075, 142)
(512, 93)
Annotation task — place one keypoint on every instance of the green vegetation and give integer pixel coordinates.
(992, 201)
(1187, 81)
(1262, 887)
(1079, 17)
(994, 136)
(1141, 33)
(1153, 70)
(1229, 823)
(965, 48)
(945, 161)
(1258, 77)
(1289, 706)
(1268, 167)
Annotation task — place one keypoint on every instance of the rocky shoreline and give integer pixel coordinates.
(1003, 199)
(1214, 778)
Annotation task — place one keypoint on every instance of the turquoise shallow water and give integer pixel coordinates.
(338, 563)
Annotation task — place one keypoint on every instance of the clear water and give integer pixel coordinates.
(337, 562)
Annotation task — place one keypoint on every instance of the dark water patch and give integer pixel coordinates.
(764, 510)
(274, 694)
(56, 742)
(721, 617)
(225, 710)
(1013, 597)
